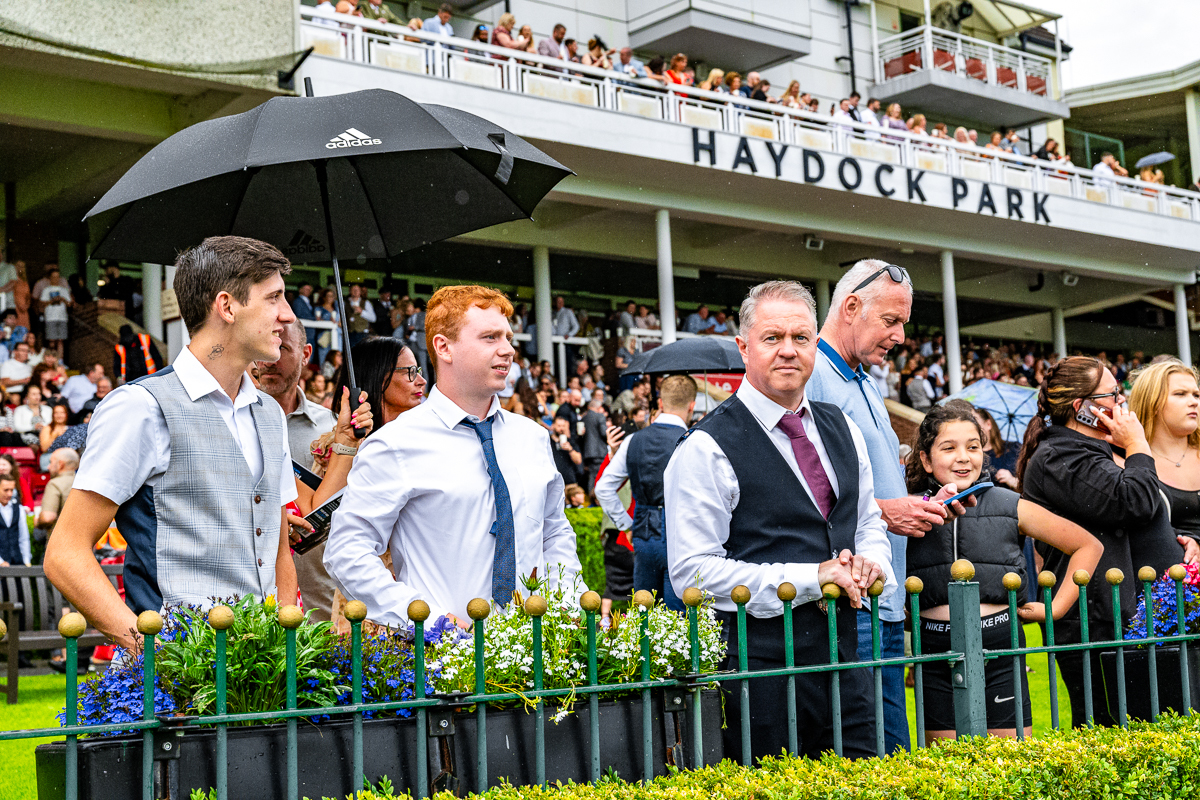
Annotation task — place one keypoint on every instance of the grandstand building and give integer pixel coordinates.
(681, 195)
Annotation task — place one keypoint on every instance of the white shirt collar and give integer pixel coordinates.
(670, 419)
(764, 409)
(198, 381)
(448, 411)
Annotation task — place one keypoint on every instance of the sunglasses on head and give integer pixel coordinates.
(897, 274)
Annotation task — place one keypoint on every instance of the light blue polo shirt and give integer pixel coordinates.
(856, 393)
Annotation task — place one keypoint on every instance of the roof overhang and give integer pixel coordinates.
(1007, 18)
(943, 94)
(717, 39)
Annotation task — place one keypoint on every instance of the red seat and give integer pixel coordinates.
(1006, 76)
(943, 60)
(977, 69)
(24, 456)
(1035, 85)
(37, 482)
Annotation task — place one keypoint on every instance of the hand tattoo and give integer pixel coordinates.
(216, 351)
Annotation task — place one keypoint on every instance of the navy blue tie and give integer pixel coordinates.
(504, 562)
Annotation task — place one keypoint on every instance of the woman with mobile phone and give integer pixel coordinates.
(1068, 466)
(948, 454)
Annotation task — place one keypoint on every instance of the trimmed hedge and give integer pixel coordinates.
(589, 544)
(1160, 760)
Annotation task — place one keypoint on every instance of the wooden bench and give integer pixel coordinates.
(35, 603)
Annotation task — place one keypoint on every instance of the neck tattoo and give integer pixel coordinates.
(216, 351)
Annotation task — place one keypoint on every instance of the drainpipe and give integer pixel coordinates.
(850, 45)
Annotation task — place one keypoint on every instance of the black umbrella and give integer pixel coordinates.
(372, 171)
(698, 354)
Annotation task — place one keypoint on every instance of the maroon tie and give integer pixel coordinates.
(809, 461)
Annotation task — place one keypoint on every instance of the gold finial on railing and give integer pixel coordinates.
(1147, 574)
(643, 598)
(1011, 581)
(356, 611)
(149, 623)
(290, 616)
(535, 606)
(1046, 579)
(876, 588)
(740, 594)
(478, 609)
(786, 592)
(220, 618)
(1081, 577)
(1114, 576)
(71, 626)
(418, 611)
(831, 591)
(914, 585)
(962, 570)
(1177, 572)
(692, 597)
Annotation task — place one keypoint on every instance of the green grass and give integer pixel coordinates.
(41, 702)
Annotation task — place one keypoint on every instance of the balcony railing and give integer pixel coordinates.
(927, 48)
(464, 61)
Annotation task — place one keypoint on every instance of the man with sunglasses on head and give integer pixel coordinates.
(867, 313)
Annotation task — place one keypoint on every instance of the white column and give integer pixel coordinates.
(1058, 60)
(1058, 324)
(177, 335)
(542, 315)
(666, 275)
(950, 322)
(152, 300)
(823, 299)
(1191, 107)
(876, 70)
(1182, 328)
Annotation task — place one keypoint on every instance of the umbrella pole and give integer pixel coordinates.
(323, 182)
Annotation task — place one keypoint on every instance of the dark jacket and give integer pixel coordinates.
(1075, 477)
(595, 441)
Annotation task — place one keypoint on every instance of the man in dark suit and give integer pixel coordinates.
(595, 441)
(772, 488)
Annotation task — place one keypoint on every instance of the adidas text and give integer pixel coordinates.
(351, 137)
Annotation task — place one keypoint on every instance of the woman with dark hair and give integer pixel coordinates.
(530, 403)
(384, 368)
(79, 290)
(1068, 465)
(948, 455)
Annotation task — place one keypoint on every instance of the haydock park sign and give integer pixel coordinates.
(829, 170)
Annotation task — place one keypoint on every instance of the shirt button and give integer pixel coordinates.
(260, 562)
(258, 498)
(258, 531)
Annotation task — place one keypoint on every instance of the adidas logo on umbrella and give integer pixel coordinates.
(351, 137)
(303, 244)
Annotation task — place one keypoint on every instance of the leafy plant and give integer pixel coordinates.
(589, 545)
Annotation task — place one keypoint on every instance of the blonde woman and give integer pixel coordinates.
(502, 36)
(1166, 398)
(791, 96)
(713, 82)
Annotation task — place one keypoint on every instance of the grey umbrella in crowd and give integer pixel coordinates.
(366, 176)
(1154, 159)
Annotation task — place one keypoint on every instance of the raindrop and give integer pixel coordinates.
(362, 258)
(461, 197)
(375, 244)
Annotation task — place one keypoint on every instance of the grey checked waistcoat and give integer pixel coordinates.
(205, 529)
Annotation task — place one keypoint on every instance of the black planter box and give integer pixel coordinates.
(1137, 679)
(111, 768)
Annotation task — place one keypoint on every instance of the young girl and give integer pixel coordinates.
(948, 453)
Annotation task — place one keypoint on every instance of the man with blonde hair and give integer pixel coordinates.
(463, 494)
(642, 459)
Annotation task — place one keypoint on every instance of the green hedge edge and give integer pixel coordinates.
(1147, 760)
(589, 545)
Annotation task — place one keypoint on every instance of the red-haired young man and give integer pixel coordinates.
(464, 495)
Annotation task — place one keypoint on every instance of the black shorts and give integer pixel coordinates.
(618, 568)
(998, 673)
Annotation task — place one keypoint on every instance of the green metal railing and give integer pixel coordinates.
(967, 659)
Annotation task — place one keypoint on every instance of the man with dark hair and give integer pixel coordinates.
(440, 23)
(135, 355)
(192, 461)
(303, 308)
(121, 287)
(642, 458)
(553, 47)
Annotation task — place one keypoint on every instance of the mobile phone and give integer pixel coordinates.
(1089, 416)
(979, 487)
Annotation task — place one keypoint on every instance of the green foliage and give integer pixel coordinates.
(1149, 760)
(589, 544)
(255, 653)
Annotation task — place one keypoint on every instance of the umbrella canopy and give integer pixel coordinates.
(698, 354)
(1154, 159)
(399, 175)
(1011, 406)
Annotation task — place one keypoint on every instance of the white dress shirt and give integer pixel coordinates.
(6, 513)
(702, 492)
(420, 488)
(565, 322)
(129, 444)
(617, 472)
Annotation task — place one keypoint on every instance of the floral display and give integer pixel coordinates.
(1162, 592)
(185, 654)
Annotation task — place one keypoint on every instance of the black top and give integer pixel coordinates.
(1007, 461)
(775, 521)
(1075, 476)
(1185, 511)
(647, 458)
